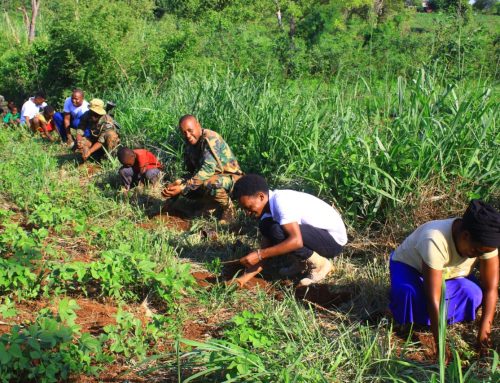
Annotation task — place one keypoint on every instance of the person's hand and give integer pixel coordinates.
(251, 259)
(172, 190)
(85, 154)
(484, 343)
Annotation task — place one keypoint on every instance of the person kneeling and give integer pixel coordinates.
(43, 123)
(102, 128)
(139, 165)
(213, 170)
(292, 223)
(448, 249)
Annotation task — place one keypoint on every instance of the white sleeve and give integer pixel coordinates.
(285, 211)
(29, 111)
(432, 253)
(68, 105)
(23, 111)
(84, 107)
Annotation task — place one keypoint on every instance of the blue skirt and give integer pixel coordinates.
(409, 304)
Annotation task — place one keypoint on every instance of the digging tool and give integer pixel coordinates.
(231, 262)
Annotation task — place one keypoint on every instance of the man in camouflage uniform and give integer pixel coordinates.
(102, 129)
(212, 166)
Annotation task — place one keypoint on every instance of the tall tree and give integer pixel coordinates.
(30, 22)
(35, 7)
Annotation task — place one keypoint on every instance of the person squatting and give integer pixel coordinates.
(294, 225)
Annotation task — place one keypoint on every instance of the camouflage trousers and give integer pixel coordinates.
(109, 140)
(218, 187)
(213, 195)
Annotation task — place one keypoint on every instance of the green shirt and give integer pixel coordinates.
(9, 117)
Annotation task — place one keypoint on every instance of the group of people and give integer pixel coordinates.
(308, 230)
(86, 127)
(311, 232)
(9, 114)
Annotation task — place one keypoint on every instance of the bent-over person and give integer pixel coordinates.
(447, 250)
(31, 108)
(293, 223)
(44, 122)
(103, 132)
(139, 165)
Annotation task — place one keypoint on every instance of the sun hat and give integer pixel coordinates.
(97, 106)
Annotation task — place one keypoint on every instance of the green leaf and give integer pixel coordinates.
(5, 356)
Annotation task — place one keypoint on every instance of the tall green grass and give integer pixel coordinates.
(367, 148)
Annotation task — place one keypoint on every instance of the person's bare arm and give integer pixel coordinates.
(292, 242)
(488, 269)
(28, 122)
(95, 147)
(67, 121)
(43, 125)
(67, 127)
(432, 285)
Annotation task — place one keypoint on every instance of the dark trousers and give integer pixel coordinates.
(131, 178)
(59, 123)
(314, 239)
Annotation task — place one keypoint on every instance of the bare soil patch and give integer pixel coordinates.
(323, 295)
(168, 221)
(112, 373)
(204, 278)
(93, 316)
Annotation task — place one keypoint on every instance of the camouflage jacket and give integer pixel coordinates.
(97, 130)
(210, 156)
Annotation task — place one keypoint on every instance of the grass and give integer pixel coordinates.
(388, 155)
(367, 149)
(240, 335)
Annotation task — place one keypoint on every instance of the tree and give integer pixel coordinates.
(30, 22)
(460, 6)
(484, 5)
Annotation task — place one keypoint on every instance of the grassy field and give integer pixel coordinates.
(94, 290)
(99, 286)
(370, 150)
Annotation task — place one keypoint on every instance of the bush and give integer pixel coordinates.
(48, 350)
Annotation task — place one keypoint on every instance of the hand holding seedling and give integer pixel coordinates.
(251, 259)
(172, 189)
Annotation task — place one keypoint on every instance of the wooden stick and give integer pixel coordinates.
(230, 262)
(249, 274)
(319, 307)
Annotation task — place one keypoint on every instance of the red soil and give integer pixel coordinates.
(168, 221)
(93, 316)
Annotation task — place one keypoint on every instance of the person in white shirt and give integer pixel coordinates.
(32, 107)
(292, 223)
(74, 107)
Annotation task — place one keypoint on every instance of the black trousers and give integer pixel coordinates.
(314, 239)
